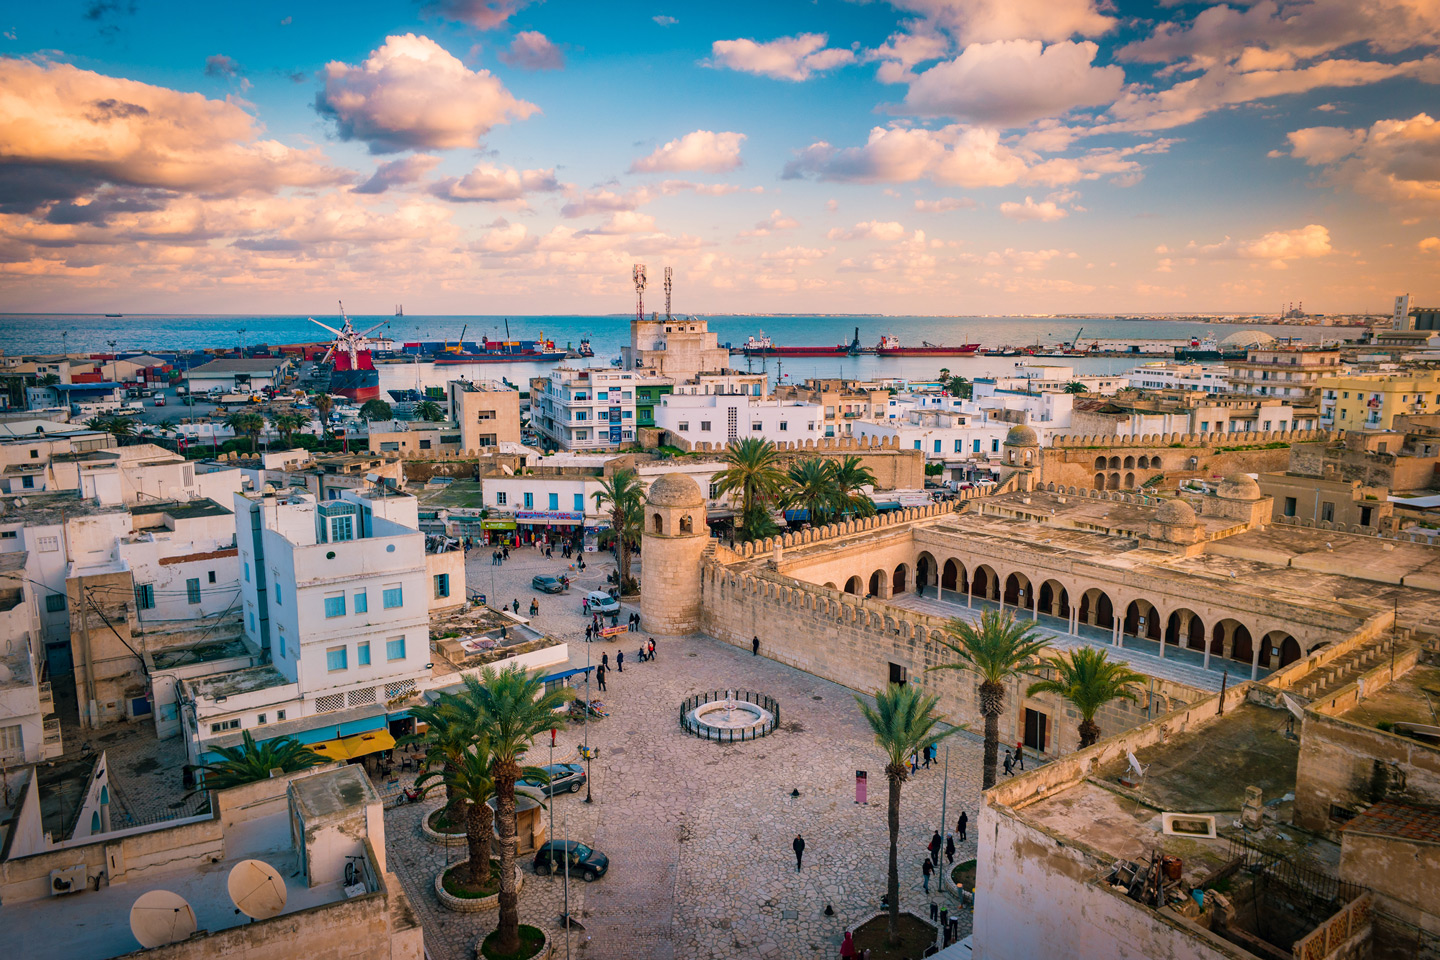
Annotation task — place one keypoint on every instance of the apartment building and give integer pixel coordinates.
(1286, 372)
(688, 419)
(1372, 401)
(594, 408)
(488, 412)
(674, 348)
(842, 402)
(1169, 375)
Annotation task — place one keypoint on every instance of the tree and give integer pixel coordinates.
(1075, 386)
(430, 410)
(469, 785)
(622, 494)
(247, 423)
(903, 720)
(323, 406)
(514, 708)
(117, 426)
(850, 475)
(287, 423)
(253, 761)
(997, 648)
(376, 409)
(752, 471)
(944, 378)
(49, 380)
(810, 485)
(1089, 679)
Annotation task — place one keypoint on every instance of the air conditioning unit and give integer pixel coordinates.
(67, 880)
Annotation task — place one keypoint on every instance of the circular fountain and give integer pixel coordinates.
(729, 715)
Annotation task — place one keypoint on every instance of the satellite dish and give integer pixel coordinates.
(160, 917)
(257, 889)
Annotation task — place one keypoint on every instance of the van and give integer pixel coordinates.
(135, 405)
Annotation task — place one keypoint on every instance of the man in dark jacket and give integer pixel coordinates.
(799, 847)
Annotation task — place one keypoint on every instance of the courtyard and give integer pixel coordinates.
(698, 833)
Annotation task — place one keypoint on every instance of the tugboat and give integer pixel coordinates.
(585, 350)
(354, 374)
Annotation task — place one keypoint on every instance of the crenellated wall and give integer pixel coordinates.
(1167, 440)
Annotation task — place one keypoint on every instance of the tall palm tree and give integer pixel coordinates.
(850, 476)
(48, 380)
(253, 761)
(1075, 386)
(810, 485)
(323, 406)
(469, 784)
(515, 708)
(903, 720)
(287, 423)
(997, 648)
(622, 494)
(247, 423)
(1089, 679)
(752, 470)
(430, 410)
(117, 426)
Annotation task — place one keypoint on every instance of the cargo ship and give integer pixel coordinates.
(763, 346)
(890, 347)
(353, 373)
(485, 351)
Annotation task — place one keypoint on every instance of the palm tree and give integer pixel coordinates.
(468, 781)
(376, 409)
(622, 493)
(997, 648)
(247, 423)
(752, 470)
(430, 410)
(1089, 679)
(849, 476)
(811, 486)
(323, 406)
(944, 376)
(1075, 386)
(253, 761)
(903, 720)
(286, 424)
(49, 380)
(117, 426)
(515, 708)
(960, 387)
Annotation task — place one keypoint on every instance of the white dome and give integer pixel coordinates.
(1249, 338)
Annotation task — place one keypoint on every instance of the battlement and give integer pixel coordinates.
(821, 445)
(1212, 439)
(760, 548)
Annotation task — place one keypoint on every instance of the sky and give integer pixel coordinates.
(951, 157)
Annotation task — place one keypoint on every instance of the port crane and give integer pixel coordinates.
(346, 339)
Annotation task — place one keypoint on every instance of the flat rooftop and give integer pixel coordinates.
(1413, 697)
(461, 493)
(42, 509)
(183, 509)
(200, 653)
(238, 681)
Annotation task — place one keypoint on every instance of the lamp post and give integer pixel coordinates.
(552, 793)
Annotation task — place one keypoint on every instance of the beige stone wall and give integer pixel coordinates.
(1404, 876)
(1349, 765)
(493, 414)
(1074, 460)
(107, 669)
(670, 594)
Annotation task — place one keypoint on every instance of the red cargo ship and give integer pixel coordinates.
(763, 346)
(354, 374)
(890, 347)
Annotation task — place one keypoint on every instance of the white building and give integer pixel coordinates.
(593, 408)
(236, 375)
(28, 731)
(1054, 378)
(1171, 375)
(721, 418)
(947, 436)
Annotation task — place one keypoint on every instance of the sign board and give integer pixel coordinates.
(497, 524)
(549, 516)
(612, 631)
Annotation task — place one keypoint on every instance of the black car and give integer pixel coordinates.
(564, 777)
(547, 584)
(584, 861)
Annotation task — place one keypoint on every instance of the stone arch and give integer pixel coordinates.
(853, 586)
(953, 577)
(1114, 463)
(1100, 463)
(658, 524)
(986, 583)
(1184, 628)
(925, 570)
(1097, 609)
(1018, 591)
(1137, 610)
(1288, 646)
(1129, 481)
(1143, 463)
(687, 525)
(1054, 599)
(1129, 462)
(1099, 482)
(1114, 482)
(900, 580)
(877, 583)
(1230, 638)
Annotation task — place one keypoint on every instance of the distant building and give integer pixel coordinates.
(595, 408)
(842, 402)
(239, 375)
(720, 418)
(1285, 372)
(1372, 401)
(675, 348)
(1169, 375)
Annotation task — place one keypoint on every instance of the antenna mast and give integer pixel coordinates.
(668, 274)
(639, 276)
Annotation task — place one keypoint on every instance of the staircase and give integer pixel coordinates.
(1344, 670)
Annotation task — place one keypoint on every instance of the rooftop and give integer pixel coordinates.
(238, 681)
(200, 653)
(231, 366)
(1401, 821)
(40, 509)
(1413, 697)
(461, 493)
(183, 509)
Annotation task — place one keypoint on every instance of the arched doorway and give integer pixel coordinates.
(1099, 481)
(1114, 463)
(900, 580)
(1113, 483)
(1129, 463)
(1096, 609)
(1100, 463)
(1185, 629)
(924, 571)
(1289, 651)
(1054, 600)
(1017, 591)
(1142, 620)
(1129, 481)
(1272, 650)
(986, 584)
(952, 577)
(1242, 648)
(877, 582)
(853, 586)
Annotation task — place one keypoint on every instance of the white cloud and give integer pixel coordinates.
(700, 150)
(1014, 82)
(1044, 211)
(412, 93)
(487, 183)
(669, 187)
(482, 14)
(606, 201)
(945, 204)
(1429, 245)
(1277, 247)
(774, 223)
(532, 50)
(624, 221)
(1394, 161)
(665, 21)
(884, 231)
(984, 21)
(786, 58)
(399, 173)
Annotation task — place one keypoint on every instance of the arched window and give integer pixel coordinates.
(659, 524)
(686, 524)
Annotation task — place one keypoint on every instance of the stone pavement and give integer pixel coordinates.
(699, 833)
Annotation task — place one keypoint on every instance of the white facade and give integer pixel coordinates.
(943, 435)
(721, 418)
(590, 409)
(183, 563)
(549, 500)
(1165, 375)
(1054, 378)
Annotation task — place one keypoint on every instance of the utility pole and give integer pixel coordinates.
(588, 767)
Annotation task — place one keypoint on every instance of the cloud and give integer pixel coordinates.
(664, 21)
(488, 184)
(945, 204)
(65, 131)
(884, 231)
(1277, 247)
(1045, 211)
(774, 223)
(786, 58)
(985, 21)
(1394, 161)
(700, 150)
(606, 201)
(531, 50)
(411, 93)
(481, 14)
(622, 222)
(220, 65)
(1429, 245)
(905, 48)
(1014, 82)
(669, 187)
(399, 173)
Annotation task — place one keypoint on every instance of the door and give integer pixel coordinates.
(1035, 730)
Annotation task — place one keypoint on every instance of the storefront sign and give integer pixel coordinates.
(549, 516)
(497, 524)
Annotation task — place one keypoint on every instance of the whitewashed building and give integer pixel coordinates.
(721, 418)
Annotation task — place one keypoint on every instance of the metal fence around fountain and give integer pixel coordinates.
(739, 696)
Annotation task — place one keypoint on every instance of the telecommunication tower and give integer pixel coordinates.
(639, 275)
(668, 275)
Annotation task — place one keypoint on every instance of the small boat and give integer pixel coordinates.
(113, 315)
(585, 350)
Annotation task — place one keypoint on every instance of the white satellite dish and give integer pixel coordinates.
(160, 917)
(257, 889)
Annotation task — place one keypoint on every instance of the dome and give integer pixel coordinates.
(675, 490)
(1249, 338)
(1176, 513)
(1021, 436)
(1238, 487)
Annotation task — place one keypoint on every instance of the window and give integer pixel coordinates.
(784, 425)
(626, 415)
(342, 529)
(145, 596)
(975, 448)
(252, 621)
(705, 426)
(282, 652)
(335, 659)
(601, 395)
(581, 415)
(394, 596)
(362, 602)
(1327, 511)
(47, 544)
(442, 585)
(9, 534)
(275, 578)
(224, 725)
(362, 653)
(529, 501)
(279, 714)
(501, 498)
(27, 482)
(247, 571)
(959, 446)
(683, 426)
(260, 718)
(917, 444)
(757, 427)
(995, 446)
(554, 501)
(335, 605)
(579, 503)
(395, 649)
(34, 454)
(937, 446)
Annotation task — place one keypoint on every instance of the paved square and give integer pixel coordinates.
(699, 834)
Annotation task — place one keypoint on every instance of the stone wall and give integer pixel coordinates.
(1403, 875)
(894, 468)
(1073, 460)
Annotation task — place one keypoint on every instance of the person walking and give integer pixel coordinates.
(505, 551)
(605, 662)
(600, 677)
(847, 947)
(935, 848)
(652, 649)
(515, 604)
(1009, 764)
(755, 646)
(589, 632)
(1020, 754)
(926, 869)
(620, 668)
(926, 764)
(961, 824)
(799, 847)
(585, 606)
(914, 761)
(950, 848)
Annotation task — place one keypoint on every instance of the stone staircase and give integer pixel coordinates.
(1344, 670)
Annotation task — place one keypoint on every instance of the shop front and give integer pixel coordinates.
(493, 533)
(552, 527)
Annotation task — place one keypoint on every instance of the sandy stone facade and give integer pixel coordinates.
(673, 543)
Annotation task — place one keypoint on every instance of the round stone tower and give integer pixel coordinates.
(671, 547)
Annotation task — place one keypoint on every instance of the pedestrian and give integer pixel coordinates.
(547, 554)
(755, 646)
(515, 604)
(1020, 754)
(950, 847)
(1009, 764)
(620, 668)
(914, 761)
(847, 947)
(934, 911)
(960, 825)
(926, 764)
(652, 649)
(799, 847)
(945, 923)
(505, 551)
(585, 607)
(534, 606)
(926, 869)
(605, 662)
(589, 632)
(600, 677)
(615, 619)
(935, 848)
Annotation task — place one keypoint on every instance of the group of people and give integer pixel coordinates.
(1016, 759)
(922, 759)
(499, 556)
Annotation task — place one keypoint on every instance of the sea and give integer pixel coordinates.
(42, 333)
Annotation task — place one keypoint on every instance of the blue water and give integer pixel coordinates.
(40, 333)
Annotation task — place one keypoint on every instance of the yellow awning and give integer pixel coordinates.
(363, 744)
(331, 749)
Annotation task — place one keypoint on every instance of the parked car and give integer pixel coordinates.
(586, 861)
(602, 602)
(546, 584)
(564, 778)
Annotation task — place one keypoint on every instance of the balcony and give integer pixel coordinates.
(53, 744)
(47, 700)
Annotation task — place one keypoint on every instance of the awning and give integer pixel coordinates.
(548, 678)
(368, 743)
(331, 749)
